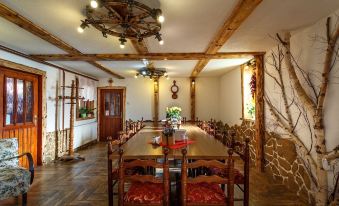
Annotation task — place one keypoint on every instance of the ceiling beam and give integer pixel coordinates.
(140, 47)
(239, 14)
(148, 56)
(29, 26)
(12, 51)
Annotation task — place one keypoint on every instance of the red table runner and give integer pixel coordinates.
(178, 144)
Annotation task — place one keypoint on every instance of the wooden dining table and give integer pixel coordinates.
(204, 146)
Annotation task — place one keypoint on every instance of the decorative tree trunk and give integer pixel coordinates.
(311, 107)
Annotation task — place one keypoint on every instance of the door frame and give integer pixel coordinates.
(42, 110)
(98, 105)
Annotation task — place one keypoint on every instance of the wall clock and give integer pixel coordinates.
(174, 90)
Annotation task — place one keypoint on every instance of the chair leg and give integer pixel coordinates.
(24, 199)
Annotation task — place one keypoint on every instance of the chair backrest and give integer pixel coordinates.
(143, 178)
(205, 178)
(8, 149)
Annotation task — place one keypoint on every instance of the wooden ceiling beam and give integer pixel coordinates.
(29, 26)
(148, 56)
(12, 51)
(239, 14)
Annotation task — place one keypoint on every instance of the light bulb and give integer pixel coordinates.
(94, 4)
(122, 46)
(136, 76)
(161, 42)
(167, 77)
(80, 30)
(161, 18)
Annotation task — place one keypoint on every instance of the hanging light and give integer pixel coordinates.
(160, 17)
(158, 37)
(122, 40)
(94, 4)
(136, 76)
(167, 77)
(82, 26)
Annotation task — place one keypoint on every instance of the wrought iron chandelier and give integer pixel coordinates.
(126, 19)
(150, 71)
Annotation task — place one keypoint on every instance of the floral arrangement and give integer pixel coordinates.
(173, 113)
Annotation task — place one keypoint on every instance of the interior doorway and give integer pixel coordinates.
(111, 112)
(21, 111)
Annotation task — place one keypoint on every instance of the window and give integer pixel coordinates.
(19, 101)
(248, 81)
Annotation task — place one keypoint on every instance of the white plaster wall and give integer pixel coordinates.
(182, 101)
(83, 132)
(310, 55)
(139, 96)
(207, 98)
(230, 107)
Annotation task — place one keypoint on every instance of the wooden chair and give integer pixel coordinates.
(145, 189)
(205, 190)
(113, 172)
(240, 178)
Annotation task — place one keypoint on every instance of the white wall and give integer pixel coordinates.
(207, 98)
(230, 107)
(139, 97)
(310, 55)
(84, 131)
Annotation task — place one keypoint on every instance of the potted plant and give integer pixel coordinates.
(83, 112)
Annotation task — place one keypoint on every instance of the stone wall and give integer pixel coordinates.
(281, 160)
(49, 150)
(283, 164)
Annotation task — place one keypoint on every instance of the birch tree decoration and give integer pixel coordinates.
(303, 101)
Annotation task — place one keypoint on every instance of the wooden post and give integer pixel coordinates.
(259, 114)
(156, 100)
(192, 86)
(56, 155)
(71, 123)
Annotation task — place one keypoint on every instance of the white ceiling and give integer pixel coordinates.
(189, 27)
(272, 16)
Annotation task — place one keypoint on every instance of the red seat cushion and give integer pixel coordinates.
(205, 193)
(238, 176)
(145, 193)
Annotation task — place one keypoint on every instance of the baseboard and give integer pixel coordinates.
(85, 146)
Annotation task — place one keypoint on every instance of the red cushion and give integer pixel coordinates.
(205, 193)
(238, 177)
(145, 193)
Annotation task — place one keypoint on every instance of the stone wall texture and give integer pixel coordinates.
(49, 150)
(281, 160)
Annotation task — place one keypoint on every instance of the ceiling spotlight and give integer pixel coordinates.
(94, 4)
(143, 72)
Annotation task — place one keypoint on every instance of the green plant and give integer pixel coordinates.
(83, 110)
(173, 112)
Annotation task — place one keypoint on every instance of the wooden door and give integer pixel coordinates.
(19, 100)
(111, 113)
